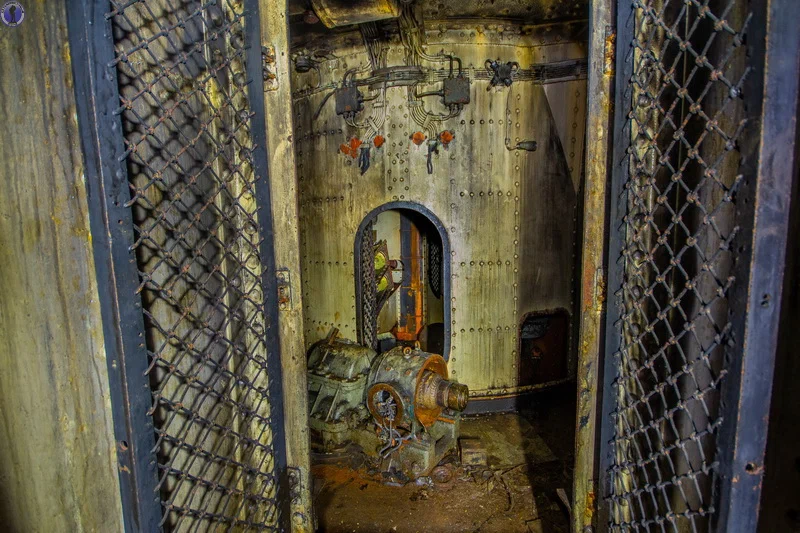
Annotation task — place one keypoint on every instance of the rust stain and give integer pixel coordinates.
(588, 511)
(609, 53)
(335, 474)
(600, 288)
(592, 299)
(588, 289)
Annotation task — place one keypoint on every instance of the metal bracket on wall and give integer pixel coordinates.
(284, 289)
(502, 73)
(600, 288)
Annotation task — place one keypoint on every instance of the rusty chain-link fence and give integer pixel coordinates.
(185, 97)
(683, 119)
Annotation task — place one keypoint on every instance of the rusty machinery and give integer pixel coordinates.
(398, 406)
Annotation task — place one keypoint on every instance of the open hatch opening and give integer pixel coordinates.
(401, 287)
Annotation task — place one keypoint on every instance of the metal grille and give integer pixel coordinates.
(435, 266)
(188, 133)
(368, 312)
(684, 120)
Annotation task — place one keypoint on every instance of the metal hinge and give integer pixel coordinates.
(284, 289)
(300, 514)
(270, 68)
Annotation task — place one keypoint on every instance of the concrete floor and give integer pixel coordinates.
(530, 455)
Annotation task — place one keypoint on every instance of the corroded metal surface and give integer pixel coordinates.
(591, 303)
(57, 451)
(337, 380)
(412, 377)
(511, 215)
(340, 359)
(414, 408)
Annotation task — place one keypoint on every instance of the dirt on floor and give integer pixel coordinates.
(529, 458)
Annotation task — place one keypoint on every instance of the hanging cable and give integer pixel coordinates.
(410, 38)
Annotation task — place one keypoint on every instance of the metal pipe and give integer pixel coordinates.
(335, 13)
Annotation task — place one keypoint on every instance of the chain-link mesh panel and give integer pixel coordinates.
(368, 336)
(186, 121)
(685, 118)
(435, 266)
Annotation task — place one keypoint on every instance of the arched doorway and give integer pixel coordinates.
(402, 277)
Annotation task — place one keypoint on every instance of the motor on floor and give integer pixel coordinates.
(397, 406)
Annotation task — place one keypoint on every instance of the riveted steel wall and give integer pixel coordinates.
(172, 117)
(689, 182)
(511, 216)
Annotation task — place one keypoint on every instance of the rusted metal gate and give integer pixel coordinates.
(171, 111)
(702, 167)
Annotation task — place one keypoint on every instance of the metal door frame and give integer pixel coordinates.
(106, 179)
(366, 223)
(762, 212)
(774, 168)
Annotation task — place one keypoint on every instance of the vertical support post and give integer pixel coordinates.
(617, 199)
(602, 46)
(110, 219)
(769, 167)
(281, 149)
(263, 194)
